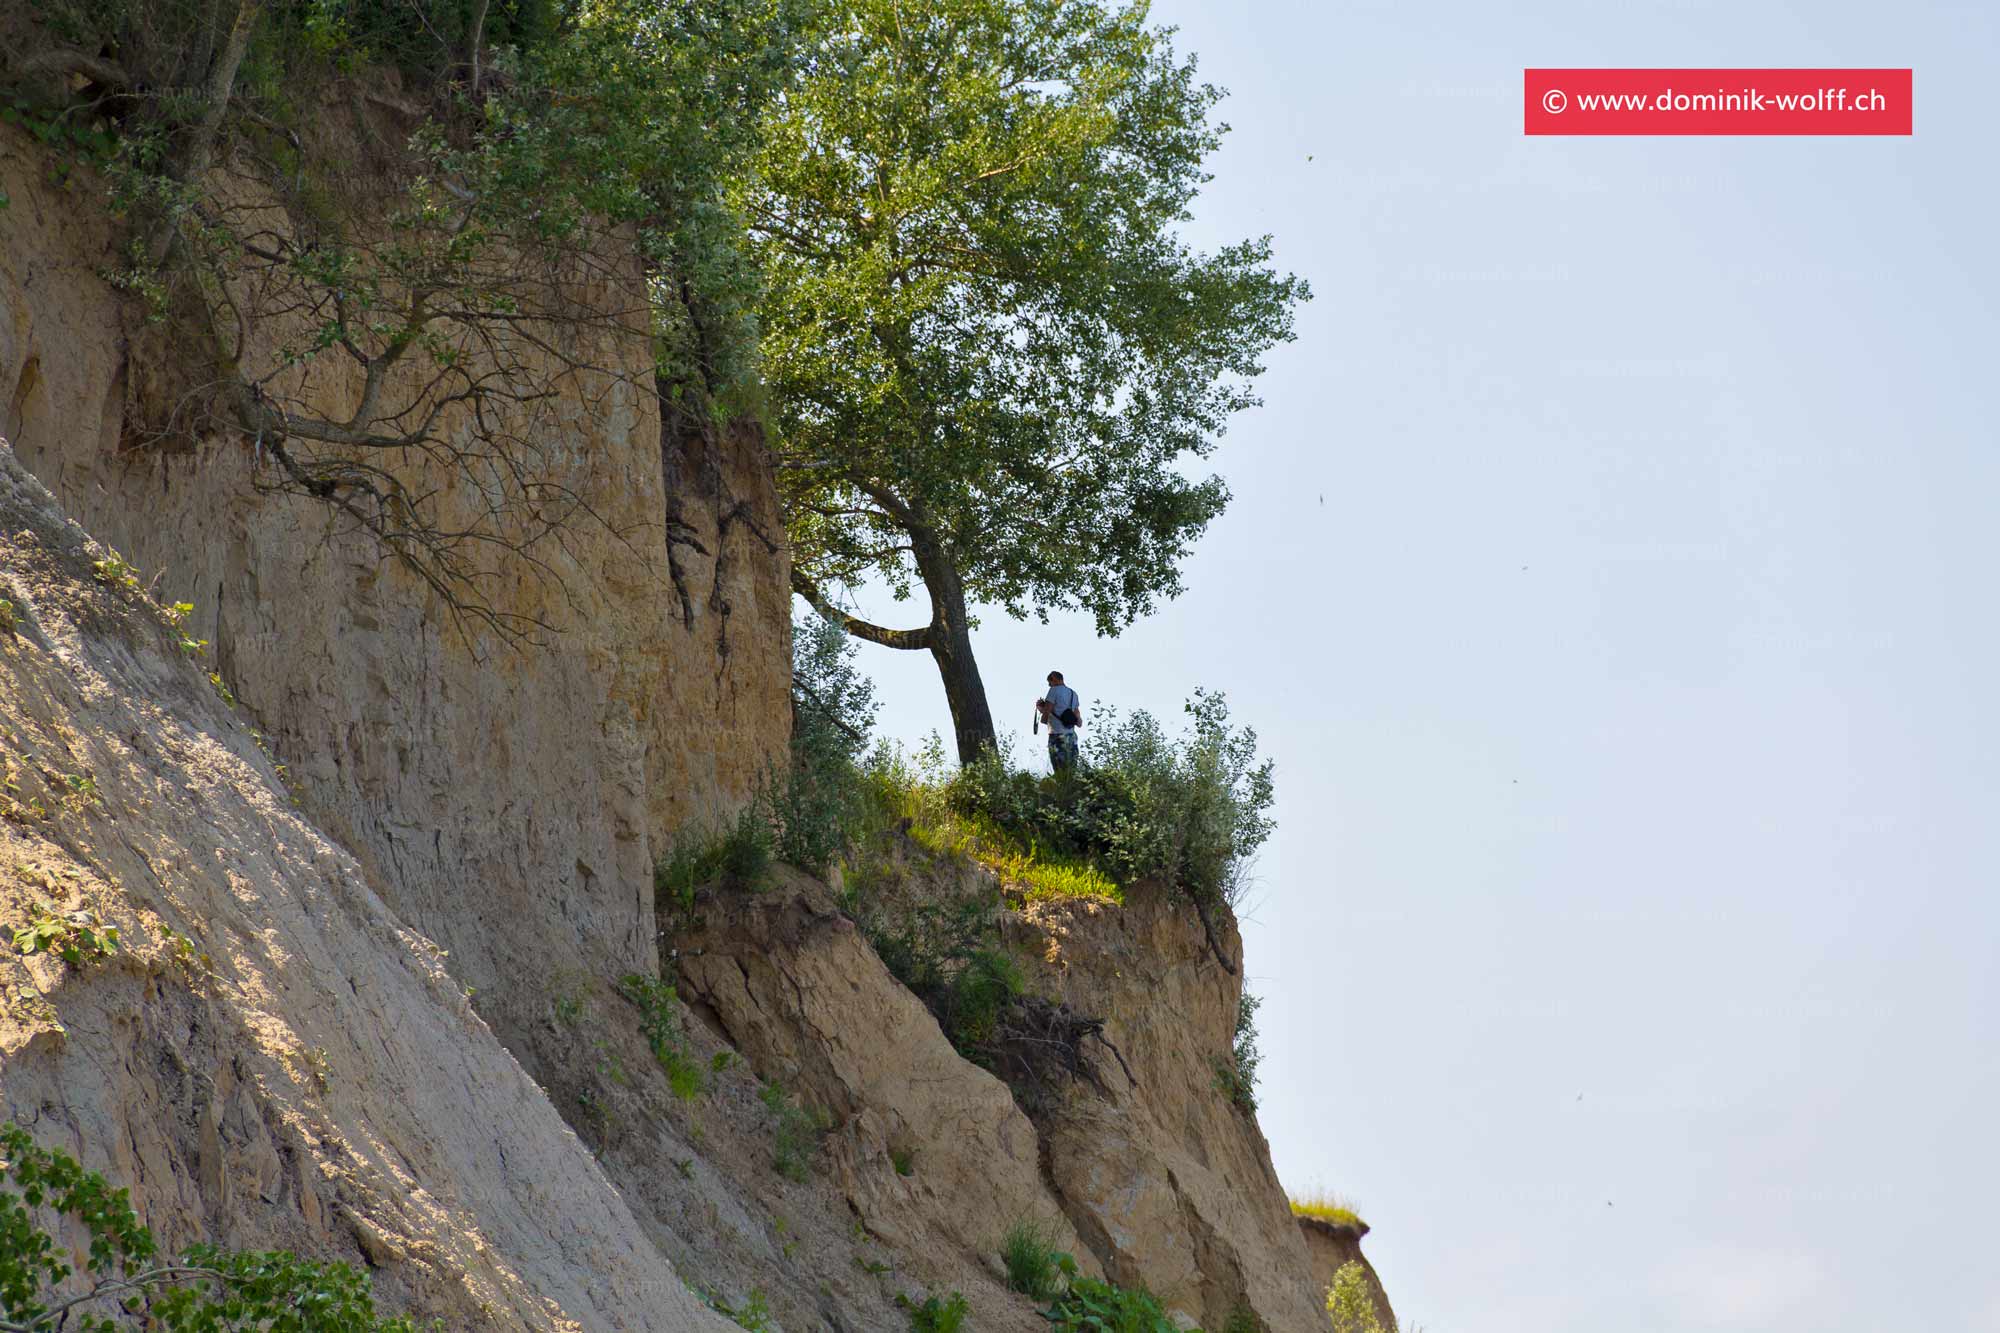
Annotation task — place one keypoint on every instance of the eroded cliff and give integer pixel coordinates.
(272, 1058)
(507, 801)
(455, 872)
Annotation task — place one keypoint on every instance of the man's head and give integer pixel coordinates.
(1055, 678)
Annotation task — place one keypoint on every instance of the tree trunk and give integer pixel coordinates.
(951, 643)
(948, 636)
(971, 719)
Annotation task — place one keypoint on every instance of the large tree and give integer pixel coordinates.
(990, 352)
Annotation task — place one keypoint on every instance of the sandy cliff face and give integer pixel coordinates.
(1167, 1181)
(507, 803)
(477, 820)
(317, 1081)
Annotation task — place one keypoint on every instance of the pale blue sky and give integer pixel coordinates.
(1630, 935)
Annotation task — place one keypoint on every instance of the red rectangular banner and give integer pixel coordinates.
(1716, 101)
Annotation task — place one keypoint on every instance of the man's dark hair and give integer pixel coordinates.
(1056, 676)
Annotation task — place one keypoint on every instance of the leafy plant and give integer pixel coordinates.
(938, 1314)
(819, 802)
(754, 1314)
(796, 1133)
(206, 1290)
(82, 791)
(976, 998)
(659, 1019)
(1350, 1302)
(1094, 1306)
(903, 1161)
(1243, 1319)
(1236, 1073)
(78, 938)
(193, 961)
(114, 572)
(1035, 1267)
(737, 857)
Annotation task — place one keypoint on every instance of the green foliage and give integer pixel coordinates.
(736, 857)
(754, 1314)
(205, 1291)
(1189, 811)
(1035, 1267)
(941, 817)
(113, 571)
(988, 348)
(659, 1019)
(1243, 1319)
(819, 803)
(8, 619)
(977, 997)
(68, 134)
(1350, 1304)
(938, 1314)
(796, 1133)
(903, 1161)
(461, 268)
(78, 938)
(1236, 1073)
(1094, 1306)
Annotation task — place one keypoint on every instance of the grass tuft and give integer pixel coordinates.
(1033, 1263)
(1327, 1207)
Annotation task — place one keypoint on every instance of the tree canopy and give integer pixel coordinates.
(989, 351)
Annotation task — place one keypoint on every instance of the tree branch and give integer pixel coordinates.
(95, 68)
(860, 629)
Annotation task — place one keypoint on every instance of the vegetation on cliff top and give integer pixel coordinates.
(1327, 1208)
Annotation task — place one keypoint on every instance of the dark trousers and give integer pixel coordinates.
(1062, 751)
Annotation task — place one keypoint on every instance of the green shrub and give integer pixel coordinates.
(978, 996)
(78, 938)
(659, 1019)
(736, 857)
(754, 1314)
(1243, 1319)
(1091, 1306)
(204, 1291)
(1035, 1267)
(1188, 811)
(796, 1133)
(1236, 1073)
(937, 1314)
(1350, 1303)
(819, 803)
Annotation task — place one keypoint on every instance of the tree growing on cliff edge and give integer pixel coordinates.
(989, 352)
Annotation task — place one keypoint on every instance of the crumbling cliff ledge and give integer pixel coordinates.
(1333, 1246)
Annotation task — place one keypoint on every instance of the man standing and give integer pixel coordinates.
(1063, 711)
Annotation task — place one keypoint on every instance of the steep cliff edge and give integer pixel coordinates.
(508, 803)
(479, 820)
(271, 1059)
(1169, 1181)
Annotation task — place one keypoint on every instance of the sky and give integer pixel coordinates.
(1609, 574)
